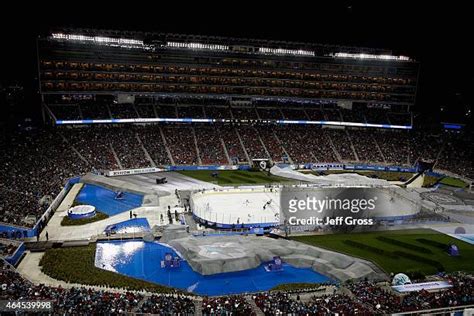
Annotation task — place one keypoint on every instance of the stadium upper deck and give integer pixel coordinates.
(86, 65)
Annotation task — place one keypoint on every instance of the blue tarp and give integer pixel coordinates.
(142, 260)
(104, 199)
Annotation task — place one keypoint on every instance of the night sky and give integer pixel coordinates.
(437, 35)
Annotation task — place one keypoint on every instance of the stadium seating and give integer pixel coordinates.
(182, 146)
(210, 146)
(37, 163)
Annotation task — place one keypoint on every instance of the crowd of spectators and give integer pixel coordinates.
(295, 142)
(252, 143)
(281, 303)
(232, 143)
(168, 305)
(384, 301)
(461, 293)
(235, 305)
(395, 146)
(342, 142)
(425, 145)
(7, 247)
(319, 143)
(366, 147)
(92, 146)
(457, 155)
(151, 138)
(37, 163)
(360, 298)
(181, 144)
(73, 301)
(211, 148)
(272, 143)
(125, 142)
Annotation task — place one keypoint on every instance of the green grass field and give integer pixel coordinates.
(429, 181)
(454, 182)
(235, 177)
(66, 221)
(76, 265)
(407, 251)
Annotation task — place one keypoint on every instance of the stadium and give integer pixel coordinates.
(177, 174)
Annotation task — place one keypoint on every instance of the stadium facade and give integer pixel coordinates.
(80, 67)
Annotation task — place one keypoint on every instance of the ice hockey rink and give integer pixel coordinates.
(237, 206)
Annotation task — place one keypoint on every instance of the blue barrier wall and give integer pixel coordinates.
(13, 259)
(210, 168)
(329, 166)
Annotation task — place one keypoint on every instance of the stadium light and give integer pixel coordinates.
(124, 42)
(281, 51)
(197, 46)
(371, 56)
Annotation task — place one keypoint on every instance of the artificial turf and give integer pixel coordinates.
(393, 252)
(235, 177)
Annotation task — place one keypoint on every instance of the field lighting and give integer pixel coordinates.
(125, 42)
(197, 46)
(371, 56)
(281, 51)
